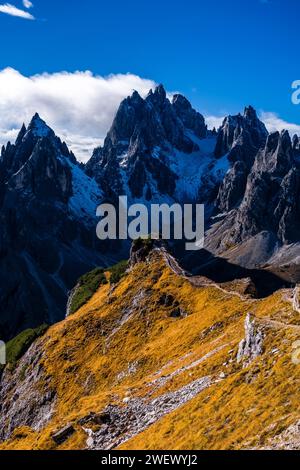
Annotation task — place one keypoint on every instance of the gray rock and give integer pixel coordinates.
(252, 345)
(63, 434)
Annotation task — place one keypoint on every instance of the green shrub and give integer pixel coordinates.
(17, 347)
(117, 271)
(143, 243)
(88, 284)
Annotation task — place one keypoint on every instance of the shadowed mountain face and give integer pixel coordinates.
(48, 224)
(221, 271)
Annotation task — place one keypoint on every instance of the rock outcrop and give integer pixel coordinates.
(251, 346)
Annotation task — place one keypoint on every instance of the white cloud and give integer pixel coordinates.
(12, 10)
(274, 123)
(27, 4)
(79, 106)
(214, 121)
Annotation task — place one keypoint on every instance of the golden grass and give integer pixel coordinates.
(86, 356)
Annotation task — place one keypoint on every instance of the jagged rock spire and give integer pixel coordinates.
(235, 126)
(39, 127)
(21, 134)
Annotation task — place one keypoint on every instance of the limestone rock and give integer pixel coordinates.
(252, 345)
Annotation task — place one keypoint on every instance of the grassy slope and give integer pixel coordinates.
(86, 355)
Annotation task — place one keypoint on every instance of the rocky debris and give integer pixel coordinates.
(124, 422)
(161, 378)
(289, 439)
(178, 312)
(94, 419)
(167, 300)
(63, 434)
(132, 368)
(26, 395)
(251, 346)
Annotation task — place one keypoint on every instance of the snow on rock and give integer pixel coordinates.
(193, 169)
(38, 127)
(86, 194)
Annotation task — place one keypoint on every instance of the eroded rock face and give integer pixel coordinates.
(233, 187)
(191, 119)
(251, 346)
(26, 395)
(271, 197)
(247, 126)
(266, 206)
(141, 249)
(241, 137)
(289, 439)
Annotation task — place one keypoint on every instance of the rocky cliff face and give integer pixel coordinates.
(48, 222)
(241, 137)
(268, 207)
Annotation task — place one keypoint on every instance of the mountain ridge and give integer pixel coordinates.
(157, 361)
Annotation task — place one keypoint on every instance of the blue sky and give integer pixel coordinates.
(222, 55)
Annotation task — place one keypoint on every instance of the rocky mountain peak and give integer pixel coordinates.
(250, 113)
(160, 91)
(21, 134)
(296, 142)
(234, 126)
(190, 118)
(38, 127)
(278, 153)
(145, 132)
(181, 101)
(48, 214)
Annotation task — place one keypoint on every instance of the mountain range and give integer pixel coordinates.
(157, 150)
(148, 346)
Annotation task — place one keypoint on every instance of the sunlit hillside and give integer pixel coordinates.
(151, 363)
